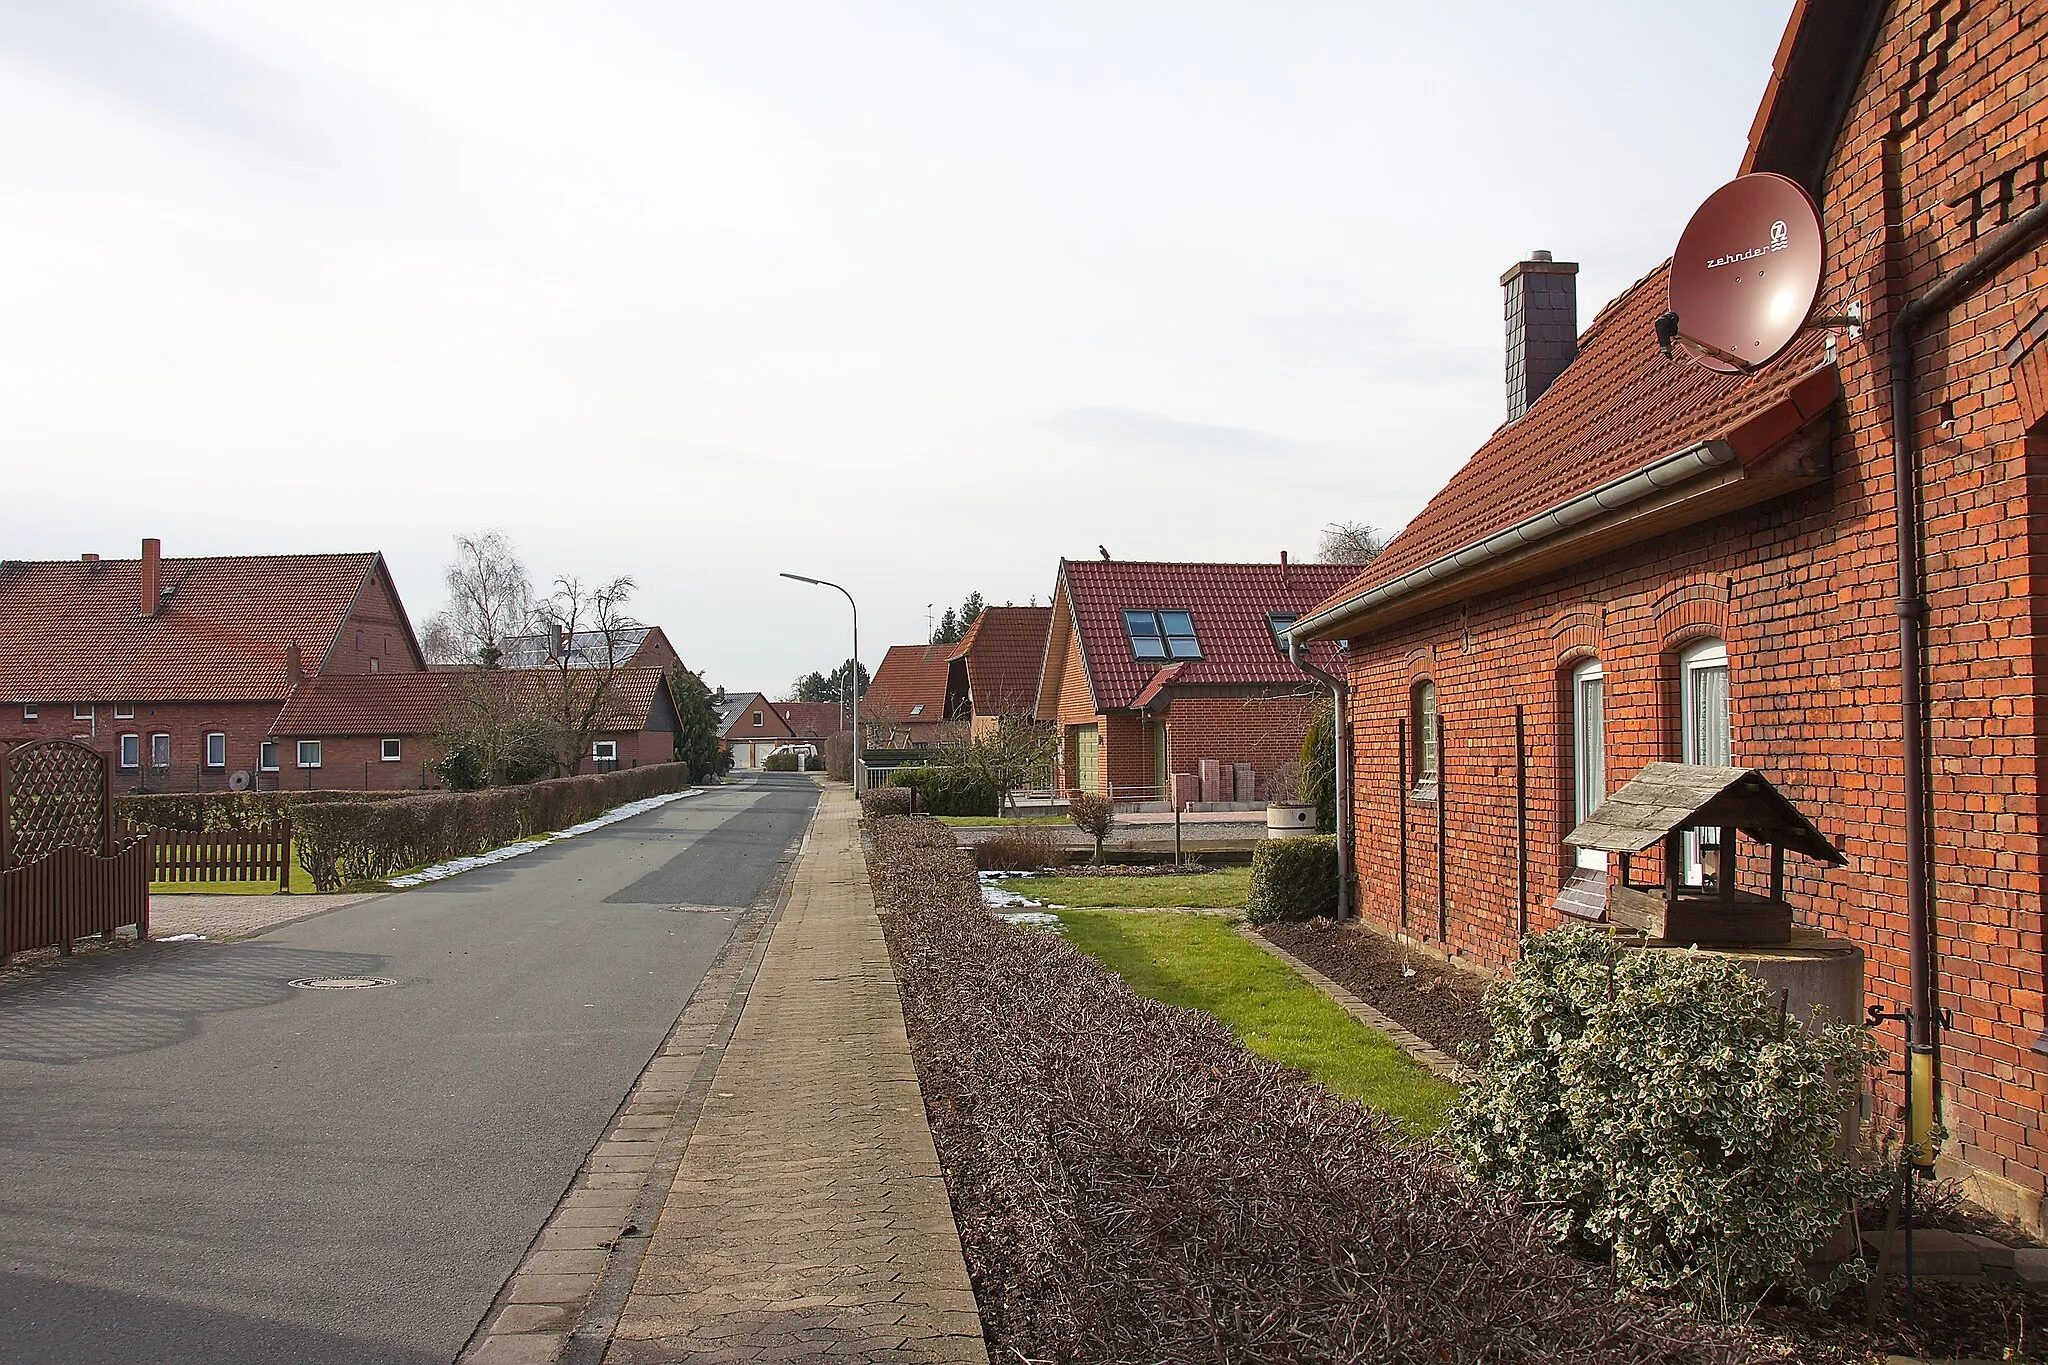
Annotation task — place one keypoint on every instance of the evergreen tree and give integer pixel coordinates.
(952, 627)
(697, 745)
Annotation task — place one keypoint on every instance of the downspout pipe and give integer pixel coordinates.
(1340, 697)
(1943, 294)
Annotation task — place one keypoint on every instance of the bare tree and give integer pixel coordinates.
(589, 639)
(1350, 542)
(1017, 752)
(490, 597)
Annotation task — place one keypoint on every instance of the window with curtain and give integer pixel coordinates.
(1589, 751)
(1703, 711)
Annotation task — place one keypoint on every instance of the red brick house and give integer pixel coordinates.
(177, 667)
(1653, 561)
(368, 733)
(995, 668)
(905, 706)
(756, 727)
(1152, 669)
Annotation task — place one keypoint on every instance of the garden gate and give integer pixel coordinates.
(61, 877)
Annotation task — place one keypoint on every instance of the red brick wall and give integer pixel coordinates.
(187, 723)
(375, 630)
(1262, 731)
(1802, 590)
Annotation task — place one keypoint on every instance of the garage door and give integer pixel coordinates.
(742, 755)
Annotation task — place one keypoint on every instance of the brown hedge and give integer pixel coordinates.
(339, 842)
(202, 812)
(1132, 1185)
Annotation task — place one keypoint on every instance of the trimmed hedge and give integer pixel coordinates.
(345, 841)
(882, 801)
(780, 763)
(1132, 1185)
(206, 812)
(948, 791)
(1293, 879)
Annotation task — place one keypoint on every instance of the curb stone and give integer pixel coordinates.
(1428, 1054)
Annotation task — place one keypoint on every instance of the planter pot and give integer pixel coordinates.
(1295, 820)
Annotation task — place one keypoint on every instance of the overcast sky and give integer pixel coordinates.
(918, 297)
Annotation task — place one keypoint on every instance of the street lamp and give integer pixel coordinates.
(860, 769)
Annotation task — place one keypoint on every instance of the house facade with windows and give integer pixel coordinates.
(1656, 561)
(367, 733)
(176, 668)
(1154, 669)
(754, 727)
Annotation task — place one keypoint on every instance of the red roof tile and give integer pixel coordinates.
(812, 719)
(395, 704)
(1004, 652)
(1617, 408)
(911, 677)
(71, 630)
(1229, 604)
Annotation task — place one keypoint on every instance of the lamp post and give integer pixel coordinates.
(860, 769)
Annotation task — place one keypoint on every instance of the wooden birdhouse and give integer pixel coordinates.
(1695, 811)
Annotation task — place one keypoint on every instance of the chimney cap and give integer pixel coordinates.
(1540, 263)
(89, 558)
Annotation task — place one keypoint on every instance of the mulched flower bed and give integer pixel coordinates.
(1433, 1000)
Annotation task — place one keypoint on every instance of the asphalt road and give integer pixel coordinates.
(199, 1162)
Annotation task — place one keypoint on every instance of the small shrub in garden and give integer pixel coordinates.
(1293, 879)
(878, 802)
(948, 791)
(1020, 848)
(1644, 1103)
(1094, 816)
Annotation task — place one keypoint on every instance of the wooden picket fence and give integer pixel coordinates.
(221, 855)
(73, 893)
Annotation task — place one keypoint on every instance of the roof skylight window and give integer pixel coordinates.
(1281, 624)
(1162, 635)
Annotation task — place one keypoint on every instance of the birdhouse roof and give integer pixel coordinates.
(1665, 798)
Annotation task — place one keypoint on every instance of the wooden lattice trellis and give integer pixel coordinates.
(54, 794)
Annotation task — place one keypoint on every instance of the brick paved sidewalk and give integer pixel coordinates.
(809, 1219)
(225, 918)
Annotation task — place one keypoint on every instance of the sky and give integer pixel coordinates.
(916, 297)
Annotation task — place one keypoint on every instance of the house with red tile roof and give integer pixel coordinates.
(380, 732)
(177, 667)
(905, 706)
(1154, 669)
(1655, 560)
(994, 670)
(755, 726)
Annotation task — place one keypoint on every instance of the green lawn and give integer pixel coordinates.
(1223, 890)
(1199, 962)
(1001, 819)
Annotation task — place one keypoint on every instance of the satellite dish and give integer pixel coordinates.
(238, 781)
(1746, 273)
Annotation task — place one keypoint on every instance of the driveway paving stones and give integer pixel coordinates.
(808, 1218)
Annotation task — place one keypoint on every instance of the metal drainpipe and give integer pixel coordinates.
(1944, 293)
(1340, 693)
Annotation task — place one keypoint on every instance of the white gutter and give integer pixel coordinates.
(1669, 472)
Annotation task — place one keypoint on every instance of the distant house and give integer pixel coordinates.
(995, 668)
(752, 727)
(379, 732)
(177, 667)
(905, 707)
(635, 647)
(1151, 669)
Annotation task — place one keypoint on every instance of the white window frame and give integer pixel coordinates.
(1701, 656)
(390, 750)
(124, 710)
(129, 752)
(266, 756)
(1422, 742)
(160, 749)
(206, 751)
(29, 714)
(604, 750)
(81, 710)
(757, 718)
(304, 746)
(1589, 679)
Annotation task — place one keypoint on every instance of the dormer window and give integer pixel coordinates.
(917, 710)
(1162, 635)
(1280, 625)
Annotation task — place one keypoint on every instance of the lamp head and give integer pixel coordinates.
(801, 579)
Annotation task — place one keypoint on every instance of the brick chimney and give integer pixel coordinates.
(294, 665)
(152, 575)
(88, 558)
(1542, 309)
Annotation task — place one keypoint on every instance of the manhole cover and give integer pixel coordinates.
(340, 983)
